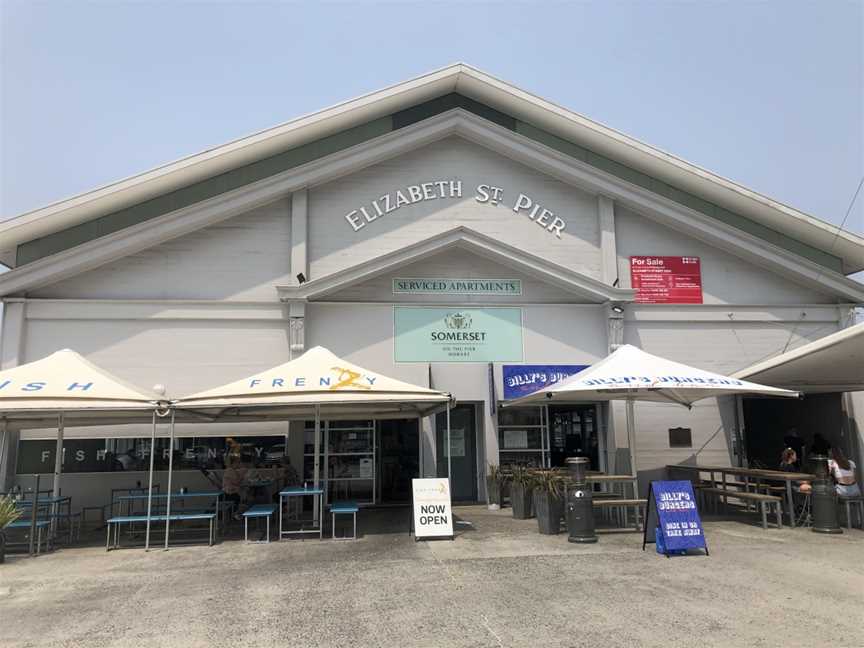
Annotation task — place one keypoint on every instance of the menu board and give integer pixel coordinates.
(666, 279)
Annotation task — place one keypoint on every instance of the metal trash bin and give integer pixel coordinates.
(823, 498)
(580, 508)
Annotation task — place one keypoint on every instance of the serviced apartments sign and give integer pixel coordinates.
(457, 334)
(449, 286)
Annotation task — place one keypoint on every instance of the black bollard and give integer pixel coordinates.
(580, 510)
(823, 498)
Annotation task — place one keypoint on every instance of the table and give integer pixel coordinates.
(176, 496)
(286, 493)
(752, 473)
(54, 503)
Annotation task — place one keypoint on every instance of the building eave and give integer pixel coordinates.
(472, 83)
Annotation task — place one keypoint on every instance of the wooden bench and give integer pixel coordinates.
(625, 505)
(174, 517)
(344, 508)
(258, 511)
(763, 501)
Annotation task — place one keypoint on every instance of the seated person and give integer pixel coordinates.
(789, 460)
(843, 472)
(789, 463)
(234, 484)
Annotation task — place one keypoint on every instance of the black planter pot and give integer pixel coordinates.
(493, 494)
(549, 511)
(522, 501)
(2, 548)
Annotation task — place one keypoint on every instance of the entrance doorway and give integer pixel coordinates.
(398, 460)
(772, 424)
(463, 451)
(573, 433)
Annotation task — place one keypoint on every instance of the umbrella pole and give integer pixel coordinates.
(449, 449)
(150, 483)
(631, 443)
(316, 465)
(170, 474)
(58, 470)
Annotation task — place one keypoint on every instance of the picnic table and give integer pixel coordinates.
(52, 507)
(758, 475)
(178, 495)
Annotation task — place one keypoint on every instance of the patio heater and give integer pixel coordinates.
(580, 510)
(823, 498)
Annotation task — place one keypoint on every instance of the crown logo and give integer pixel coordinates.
(457, 321)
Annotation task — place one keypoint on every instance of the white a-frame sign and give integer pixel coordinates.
(433, 515)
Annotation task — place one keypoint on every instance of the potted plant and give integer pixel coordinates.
(493, 487)
(548, 501)
(521, 493)
(8, 514)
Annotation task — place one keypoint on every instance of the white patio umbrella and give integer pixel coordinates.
(318, 383)
(67, 388)
(630, 374)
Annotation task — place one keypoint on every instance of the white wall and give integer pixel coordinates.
(334, 245)
(242, 258)
(726, 279)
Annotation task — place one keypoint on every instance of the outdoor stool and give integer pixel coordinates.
(339, 508)
(258, 511)
(856, 503)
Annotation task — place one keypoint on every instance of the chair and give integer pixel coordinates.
(850, 503)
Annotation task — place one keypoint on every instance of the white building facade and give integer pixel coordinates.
(451, 231)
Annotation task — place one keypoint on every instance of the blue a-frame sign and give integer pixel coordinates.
(679, 526)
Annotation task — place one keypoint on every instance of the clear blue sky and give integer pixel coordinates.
(769, 94)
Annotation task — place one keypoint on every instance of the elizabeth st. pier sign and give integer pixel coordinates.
(452, 189)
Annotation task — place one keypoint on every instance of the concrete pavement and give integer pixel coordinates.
(498, 584)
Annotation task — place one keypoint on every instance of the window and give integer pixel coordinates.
(133, 454)
(521, 432)
(680, 438)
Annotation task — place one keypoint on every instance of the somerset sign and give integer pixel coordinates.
(666, 279)
(484, 193)
(448, 286)
(433, 515)
(427, 334)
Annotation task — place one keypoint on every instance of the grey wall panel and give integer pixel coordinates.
(334, 245)
(726, 279)
(242, 258)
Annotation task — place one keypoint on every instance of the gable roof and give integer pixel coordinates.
(585, 287)
(469, 82)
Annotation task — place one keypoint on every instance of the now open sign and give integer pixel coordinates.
(433, 515)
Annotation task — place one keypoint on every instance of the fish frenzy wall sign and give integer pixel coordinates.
(452, 189)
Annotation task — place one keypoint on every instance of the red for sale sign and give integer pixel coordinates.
(666, 279)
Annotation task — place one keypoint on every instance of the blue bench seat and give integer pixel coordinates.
(40, 525)
(346, 508)
(117, 520)
(258, 511)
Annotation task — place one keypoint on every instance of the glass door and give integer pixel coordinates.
(573, 433)
(398, 460)
(463, 451)
(347, 460)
